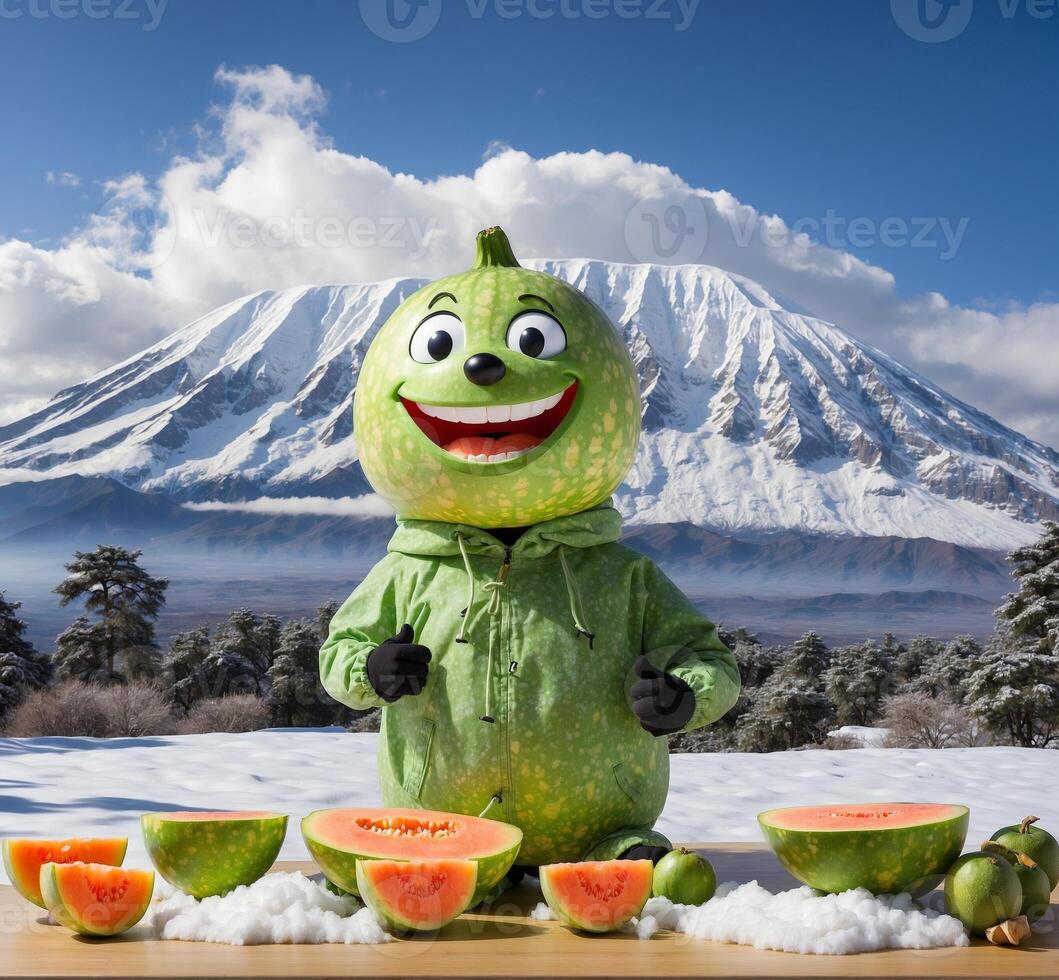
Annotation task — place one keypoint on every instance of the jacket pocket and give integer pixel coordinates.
(419, 761)
(627, 782)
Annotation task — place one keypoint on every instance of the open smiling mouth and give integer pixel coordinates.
(491, 433)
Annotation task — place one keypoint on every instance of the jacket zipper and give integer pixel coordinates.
(505, 734)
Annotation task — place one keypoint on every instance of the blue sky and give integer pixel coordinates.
(796, 107)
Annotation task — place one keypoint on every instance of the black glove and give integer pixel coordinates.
(398, 666)
(652, 852)
(663, 703)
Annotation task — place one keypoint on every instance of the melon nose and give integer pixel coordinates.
(484, 369)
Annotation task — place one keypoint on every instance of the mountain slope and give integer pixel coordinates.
(757, 418)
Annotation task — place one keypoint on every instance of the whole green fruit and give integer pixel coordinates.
(982, 889)
(1035, 843)
(684, 877)
(1036, 889)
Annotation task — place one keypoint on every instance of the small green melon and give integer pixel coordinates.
(981, 890)
(1035, 843)
(1036, 889)
(684, 877)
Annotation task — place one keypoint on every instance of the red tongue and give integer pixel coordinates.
(467, 446)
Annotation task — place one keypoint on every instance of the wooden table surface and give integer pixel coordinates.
(505, 943)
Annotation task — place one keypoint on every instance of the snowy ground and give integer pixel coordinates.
(61, 787)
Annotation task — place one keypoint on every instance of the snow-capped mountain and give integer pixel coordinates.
(757, 417)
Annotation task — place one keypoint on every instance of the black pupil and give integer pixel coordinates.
(531, 342)
(440, 345)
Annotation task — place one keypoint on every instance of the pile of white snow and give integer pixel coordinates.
(801, 921)
(279, 908)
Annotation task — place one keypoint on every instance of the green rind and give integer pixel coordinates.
(211, 857)
(340, 867)
(884, 861)
(16, 879)
(982, 890)
(390, 919)
(64, 915)
(568, 917)
(1035, 843)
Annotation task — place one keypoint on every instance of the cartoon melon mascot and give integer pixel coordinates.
(529, 664)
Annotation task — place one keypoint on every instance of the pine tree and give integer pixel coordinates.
(127, 601)
(945, 674)
(22, 668)
(184, 660)
(1015, 690)
(858, 679)
(81, 653)
(1032, 613)
(240, 655)
(296, 696)
(913, 658)
(790, 708)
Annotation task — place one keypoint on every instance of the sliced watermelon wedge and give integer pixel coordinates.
(95, 899)
(23, 858)
(597, 896)
(417, 896)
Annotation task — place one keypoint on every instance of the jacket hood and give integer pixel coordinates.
(437, 539)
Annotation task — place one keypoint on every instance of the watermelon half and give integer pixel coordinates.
(96, 899)
(24, 858)
(417, 896)
(338, 839)
(206, 854)
(886, 848)
(597, 896)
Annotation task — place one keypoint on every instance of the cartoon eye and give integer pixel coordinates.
(436, 337)
(536, 334)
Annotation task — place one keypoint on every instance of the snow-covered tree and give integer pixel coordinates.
(126, 600)
(183, 663)
(1015, 691)
(1032, 613)
(81, 653)
(858, 680)
(913, 658)
(790, 707)
(296, 696)
(22, 668)
(945, 674)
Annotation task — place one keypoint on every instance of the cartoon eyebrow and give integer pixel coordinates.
(540, 299)
(430, 305)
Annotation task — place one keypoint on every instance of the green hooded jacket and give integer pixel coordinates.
(552, 627)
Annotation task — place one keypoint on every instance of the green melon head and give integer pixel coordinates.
(499, 397)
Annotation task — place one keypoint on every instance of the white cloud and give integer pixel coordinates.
(63, 177)
(268, 201)
(368, 505)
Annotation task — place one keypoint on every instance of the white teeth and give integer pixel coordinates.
(496, 457)
(492, 413)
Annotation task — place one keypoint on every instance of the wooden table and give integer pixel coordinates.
(506, 943)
